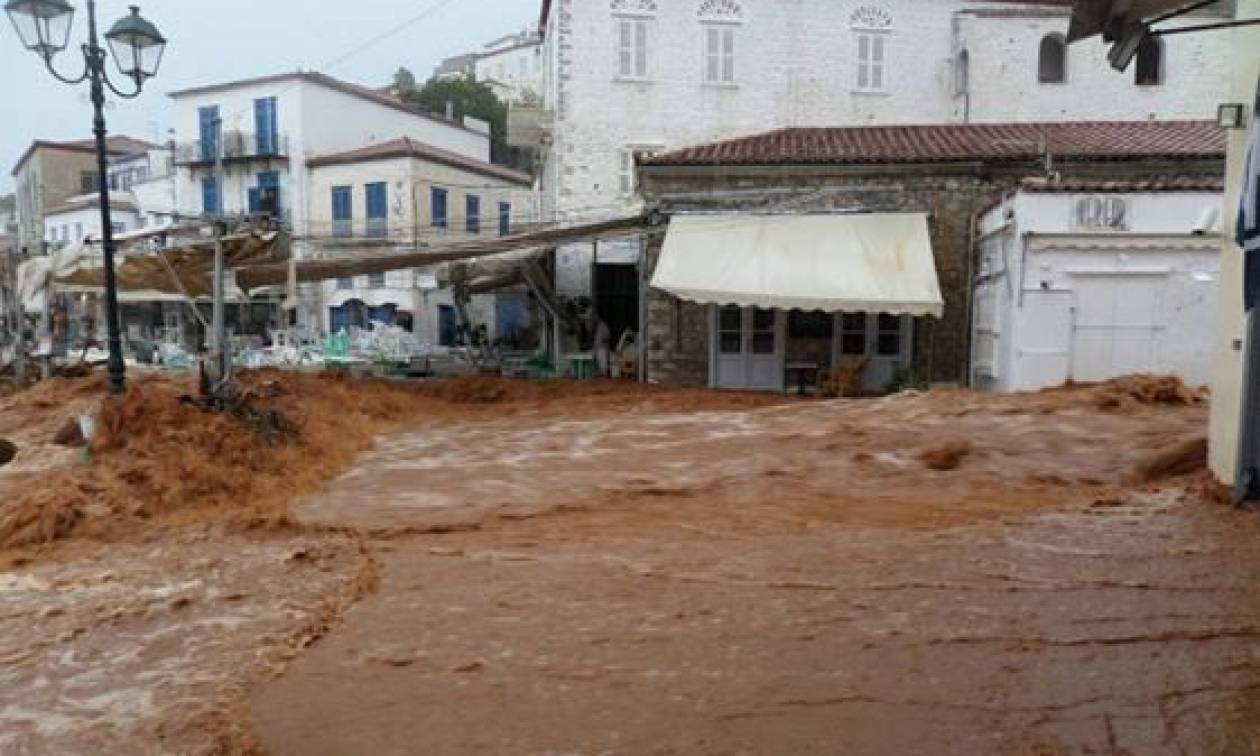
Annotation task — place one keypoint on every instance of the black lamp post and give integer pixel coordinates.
(137, 46)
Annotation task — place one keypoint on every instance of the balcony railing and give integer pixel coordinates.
(237, 146)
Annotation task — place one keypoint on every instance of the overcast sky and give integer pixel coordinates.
(221, 40)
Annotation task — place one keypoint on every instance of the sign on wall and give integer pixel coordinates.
(1100, 213)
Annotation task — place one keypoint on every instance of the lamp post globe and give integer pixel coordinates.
(42, 25)
(137, 45)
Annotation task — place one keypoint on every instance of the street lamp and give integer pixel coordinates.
(137, 47)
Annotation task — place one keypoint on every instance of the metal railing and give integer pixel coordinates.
(237, 145)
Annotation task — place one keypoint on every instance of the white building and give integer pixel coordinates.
(1081, 281)
(79, 217)
(622, 76)
(271, 126)
(512, 67)
(403, 193)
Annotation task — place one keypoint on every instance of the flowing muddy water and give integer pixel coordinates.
(948, 573)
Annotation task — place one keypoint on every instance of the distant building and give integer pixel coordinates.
(512, 67)
(275, 130)
(406, 194)
(49, 173)
(79, 218)
(457, 67)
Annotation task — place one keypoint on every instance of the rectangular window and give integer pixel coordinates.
(208, 127)
(889, 335)
(853, 333)
(377, 208)
(437, 207)
(505, 218)
(730, 330)
(472, 214)
(342, 212)
(632, 52)
(88, 182)
(345, 283)
(376, 280)
(719, 54)
(810, 325)
(763, 331)
(265, 135)
(78, 232)
(871, 48)
(210, 196)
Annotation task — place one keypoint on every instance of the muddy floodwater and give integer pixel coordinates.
(791, 579)
(564, 569)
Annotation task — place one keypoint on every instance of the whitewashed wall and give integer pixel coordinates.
(1031, 286)
(1004, 87)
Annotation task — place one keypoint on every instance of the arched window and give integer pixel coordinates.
(1150, 62)
(1052, 60)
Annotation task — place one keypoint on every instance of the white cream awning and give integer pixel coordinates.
(859, 262)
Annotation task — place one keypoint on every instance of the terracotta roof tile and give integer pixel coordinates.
(941, 143)
(406, 147)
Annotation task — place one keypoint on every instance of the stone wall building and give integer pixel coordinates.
(622, 76)
(951, 172)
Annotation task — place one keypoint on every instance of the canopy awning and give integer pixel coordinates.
(876, 262)
(369, 260)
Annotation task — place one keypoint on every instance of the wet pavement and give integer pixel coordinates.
(786, 580)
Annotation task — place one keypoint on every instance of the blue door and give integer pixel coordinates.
(265, 198)
(511, 317)
(210, 196)
(266, 137)
(342, 212)
(207, 119)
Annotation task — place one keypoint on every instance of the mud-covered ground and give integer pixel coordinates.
(594, 568)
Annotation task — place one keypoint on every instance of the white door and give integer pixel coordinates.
(884, 339)
(748, 349)
(1115, 329)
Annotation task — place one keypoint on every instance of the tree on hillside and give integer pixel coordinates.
(469, 97)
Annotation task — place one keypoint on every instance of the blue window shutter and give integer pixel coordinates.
(505, 218)
(377, 206)
(265, 125)
(210, 196)
(472, 213)
(206, 117)
(255, 203)
(437, 207)
(342, 212)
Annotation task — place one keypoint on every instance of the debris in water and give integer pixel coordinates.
(948, 456)
(1182, 458)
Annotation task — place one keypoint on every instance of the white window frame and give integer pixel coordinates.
(626, 185)
(718, 41)
(633, 48)
(871, 73)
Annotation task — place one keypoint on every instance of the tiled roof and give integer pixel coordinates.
(406, 147)
(1171, 184)
(943, 143)
(314, 77)
(115, 145)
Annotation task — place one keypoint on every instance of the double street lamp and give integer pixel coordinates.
(136, 46)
